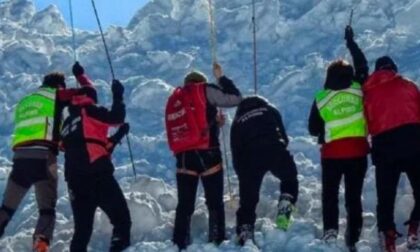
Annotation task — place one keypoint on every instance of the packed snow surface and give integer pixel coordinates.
(166, 39)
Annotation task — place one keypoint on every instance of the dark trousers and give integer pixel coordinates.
(213, 191)
(37, 168)
(354, 171)
(86, 195)
(388, 172)
(251, 170)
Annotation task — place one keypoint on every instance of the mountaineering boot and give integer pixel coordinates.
(216, 228)
(330, 236)
(387, 240)
(40, 243)
(351, 238)
(183, 240)
(285, 209)
(118, 244)
(245, 232)
(352, 248)
(5, 216)
(3, 226)
(412, 236)
(181, 236)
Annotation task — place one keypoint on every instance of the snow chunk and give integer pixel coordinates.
(49, 21)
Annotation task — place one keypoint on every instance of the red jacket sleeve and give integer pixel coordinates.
(65, 95)
(84, 81)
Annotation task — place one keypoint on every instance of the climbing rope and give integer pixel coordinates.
(213, 47)
(131, 157)
(213, 35)
(113, 78)
(103, 40)
(72, 31)
(254, 31)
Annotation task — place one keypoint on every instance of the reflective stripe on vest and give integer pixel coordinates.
(342, 111)
(34, 117)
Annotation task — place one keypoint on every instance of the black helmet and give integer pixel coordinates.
(54, 80)
(385, 63)
(339, 75)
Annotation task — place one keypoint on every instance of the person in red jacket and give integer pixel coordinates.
(192, 126)
(392, 107)
(35, 153)
(89, 169)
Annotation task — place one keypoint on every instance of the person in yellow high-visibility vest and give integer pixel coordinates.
(35, 145)
(337, 119)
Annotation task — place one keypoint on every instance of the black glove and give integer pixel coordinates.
(124, 129)
(117, 90)
(78, 69)
(349, 34)
(121, 132)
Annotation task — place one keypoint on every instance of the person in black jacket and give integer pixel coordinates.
(259, 144)
(89, 169)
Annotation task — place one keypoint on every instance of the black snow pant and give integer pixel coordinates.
(251, 169)
(354, 171)
(86, 194)
(199, 162)
(37, 168)
(388, 172)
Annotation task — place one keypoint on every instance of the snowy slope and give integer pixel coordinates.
(166, 39)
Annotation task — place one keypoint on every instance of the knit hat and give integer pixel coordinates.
(195, 77)
(385, 63)
(54, 80)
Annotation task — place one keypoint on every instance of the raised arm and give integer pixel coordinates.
(65, 95)
(116, 115)
(226, 94)
(117, 137)
(359, 60)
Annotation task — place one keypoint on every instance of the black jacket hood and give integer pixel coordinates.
(251, 102)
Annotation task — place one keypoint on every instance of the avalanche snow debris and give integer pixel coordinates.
(166, 39)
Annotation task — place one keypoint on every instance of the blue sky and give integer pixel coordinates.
(111, 12)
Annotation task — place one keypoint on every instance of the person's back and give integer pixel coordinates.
(89, 169)
(337, 119)
(392, 107)
(257, 125)
(192, 127)
(35, 140)
(259, 144)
